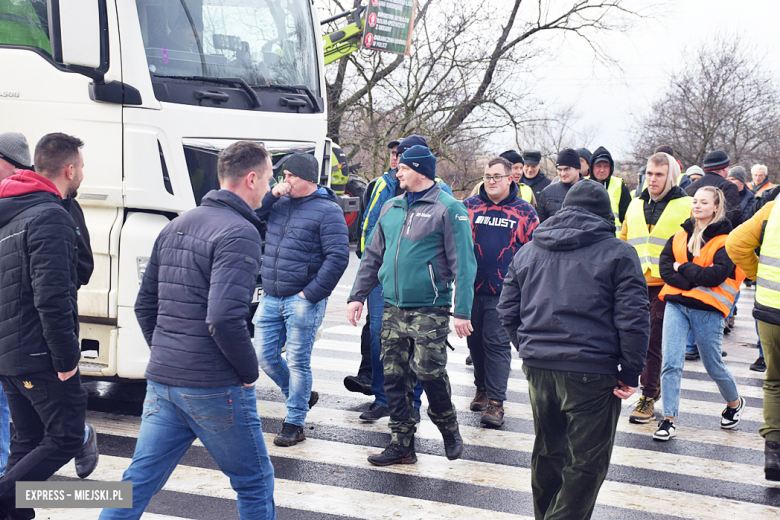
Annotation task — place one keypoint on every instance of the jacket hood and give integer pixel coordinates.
(24, 182)
(721, 227)
(326, 193)
(601, 153)
(228, 199)
(513, 191)
(675, 193)
(572, 228)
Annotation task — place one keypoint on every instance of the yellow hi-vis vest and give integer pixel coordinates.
(649, 245)
(615, 189)
(768, 277)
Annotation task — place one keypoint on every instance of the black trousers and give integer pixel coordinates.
(489, 346)
(48, 416)
(365, 348)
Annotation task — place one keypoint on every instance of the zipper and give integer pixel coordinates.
(276, 264)
(433, 282)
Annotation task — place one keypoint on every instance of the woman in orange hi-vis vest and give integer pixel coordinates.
(701, 284)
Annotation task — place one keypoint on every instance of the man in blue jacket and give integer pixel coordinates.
(306, 252)
(192, 307)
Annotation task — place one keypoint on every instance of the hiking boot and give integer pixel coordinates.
(691, 356)
(453, 444)
(394, 454)
(360, 383)
(644, 412)
(291, 435)
(480, 401)
(469, 361)
(665, 431)
(87, 457)
(759, 365)
(731, 416)
(494, 414)
(772, 457)
(416, 414)
(374, 413)
(313, 398)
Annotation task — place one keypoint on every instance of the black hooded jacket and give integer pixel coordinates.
(575, 299)
(551, 199)
(625, 194)
(730, 191)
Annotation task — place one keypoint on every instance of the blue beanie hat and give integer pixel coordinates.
(420, 159)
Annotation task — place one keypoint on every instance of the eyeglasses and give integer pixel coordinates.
(494, 178)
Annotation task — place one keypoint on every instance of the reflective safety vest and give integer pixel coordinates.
(768, 277)
(720, 297)
(615, 189)
(649, 245)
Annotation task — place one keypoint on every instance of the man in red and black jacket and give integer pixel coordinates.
(501, 222)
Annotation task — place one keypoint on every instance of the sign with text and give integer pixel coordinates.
(79, 494)
(389, 25)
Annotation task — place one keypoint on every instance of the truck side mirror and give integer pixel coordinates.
(77, 30)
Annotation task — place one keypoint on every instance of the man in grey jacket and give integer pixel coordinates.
(574, 302)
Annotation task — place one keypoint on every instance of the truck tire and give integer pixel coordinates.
(355, 188)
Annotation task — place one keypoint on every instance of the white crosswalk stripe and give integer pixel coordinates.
(705, 473)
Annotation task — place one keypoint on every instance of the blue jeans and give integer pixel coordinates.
(5, 431)
(707, 328)
(226, 422)
(376, 306)
(292, 321)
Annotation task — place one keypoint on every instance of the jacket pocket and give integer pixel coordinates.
(433, 283)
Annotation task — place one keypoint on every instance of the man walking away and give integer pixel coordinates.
(551, 199)
(501, 223)
(192, 307)
(583, 341)
(716, 169)
(306, 252)
(422, 242)
(39, 346)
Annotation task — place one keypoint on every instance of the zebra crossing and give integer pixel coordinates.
(704, 473)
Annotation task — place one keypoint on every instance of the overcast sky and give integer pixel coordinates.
(647, 54)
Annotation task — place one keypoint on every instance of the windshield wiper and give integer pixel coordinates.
(224, 81)
(315, 101)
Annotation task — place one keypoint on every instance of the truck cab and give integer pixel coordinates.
(155, 89)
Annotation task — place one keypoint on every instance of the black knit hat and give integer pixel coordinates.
(303, 165)
(715, 161)
(513, 157)
(591, 196)
(532, 157)
(585, 154)
(408, 142)
(568, 157)
(393, 144)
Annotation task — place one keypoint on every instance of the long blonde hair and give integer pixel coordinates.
(695, 242)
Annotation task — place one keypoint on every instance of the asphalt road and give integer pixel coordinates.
(704, 473)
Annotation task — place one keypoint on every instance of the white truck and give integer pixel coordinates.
(155, 89)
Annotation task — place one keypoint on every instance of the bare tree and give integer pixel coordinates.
(723, 98)
(464, 80)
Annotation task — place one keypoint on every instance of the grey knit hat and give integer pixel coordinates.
(738, 172)
(15, 150)
(303, 165)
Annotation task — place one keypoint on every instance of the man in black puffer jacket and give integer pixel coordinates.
(583, 341)
(551, 198)
(716, 169)
(192, 307)
(306, 252)
(39, 345)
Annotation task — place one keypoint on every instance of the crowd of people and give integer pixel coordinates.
(600, 292)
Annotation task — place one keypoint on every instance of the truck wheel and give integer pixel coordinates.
(355, 188)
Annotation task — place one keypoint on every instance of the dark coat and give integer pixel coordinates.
(537, 184)
(729, 189)
(86, 263)
(306, 245)
(625, 194)
(38, 305)
(746, 202)
(551, 199)
(575, 299)
(766, 197)
(194, 299)
(690, 275)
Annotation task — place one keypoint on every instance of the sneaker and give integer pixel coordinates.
(313, 398)
(453, 444)
(644, 412)
(665, 431)
(291, 435)
(759, 365)
(494, 414)
(691, 356)
(469, 361)
(374, 413)
(87, 457)
(416, 414)
(772, 458)
(480, 401)
(360, 383)
(731, 416)
(394, 454)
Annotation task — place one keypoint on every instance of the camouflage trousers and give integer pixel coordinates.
(414, 347)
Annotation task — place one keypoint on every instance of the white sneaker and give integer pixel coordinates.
(731, 416)
(665, 431)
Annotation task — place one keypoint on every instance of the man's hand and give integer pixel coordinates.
(462, 327)
(281, 189)
(623, 391)
(249, 385)
(354, 311)
(302, 295)
(64, 376)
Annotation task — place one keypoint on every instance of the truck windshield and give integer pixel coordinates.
(263, 42)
